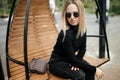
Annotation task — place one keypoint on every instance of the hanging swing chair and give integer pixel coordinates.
(31, 33)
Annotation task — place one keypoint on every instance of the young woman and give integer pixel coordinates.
(67, 56)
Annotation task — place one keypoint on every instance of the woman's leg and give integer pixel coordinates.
(88, 75)
(63, 69)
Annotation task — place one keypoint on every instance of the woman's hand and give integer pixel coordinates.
(74, 68)
(99, 73)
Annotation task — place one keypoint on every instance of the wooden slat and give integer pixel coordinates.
(95, 61)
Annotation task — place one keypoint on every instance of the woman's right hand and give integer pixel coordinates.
(74, 68)
(99, 73)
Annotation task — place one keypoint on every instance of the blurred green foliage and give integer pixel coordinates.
(59, 4)
(90, 6)
(5, 6)
(114, 7)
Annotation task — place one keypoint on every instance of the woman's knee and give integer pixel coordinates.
(81, 76)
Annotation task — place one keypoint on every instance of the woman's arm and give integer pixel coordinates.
(82, 48)
(69, 53)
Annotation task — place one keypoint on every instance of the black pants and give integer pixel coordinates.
(63, 69)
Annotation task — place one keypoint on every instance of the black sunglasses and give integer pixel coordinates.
(75, 14)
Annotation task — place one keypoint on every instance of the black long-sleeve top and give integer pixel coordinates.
(65, 50)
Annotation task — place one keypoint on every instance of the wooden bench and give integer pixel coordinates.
(42, 35)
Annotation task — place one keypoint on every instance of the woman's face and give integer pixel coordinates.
(72, 14)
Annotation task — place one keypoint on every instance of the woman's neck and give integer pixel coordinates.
(73, 26)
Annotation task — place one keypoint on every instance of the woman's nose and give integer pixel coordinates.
(72, 16)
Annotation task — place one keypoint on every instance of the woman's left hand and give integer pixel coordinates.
(99, 73)
(74, 68)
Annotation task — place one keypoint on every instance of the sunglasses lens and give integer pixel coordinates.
(76, 14)
(68, 15)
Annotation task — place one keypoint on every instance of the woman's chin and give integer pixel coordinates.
(74, 24)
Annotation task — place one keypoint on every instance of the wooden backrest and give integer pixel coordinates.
(42, 34)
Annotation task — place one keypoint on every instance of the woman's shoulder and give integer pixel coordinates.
(67, 34)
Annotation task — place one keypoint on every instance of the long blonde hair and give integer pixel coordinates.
(80, 6)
